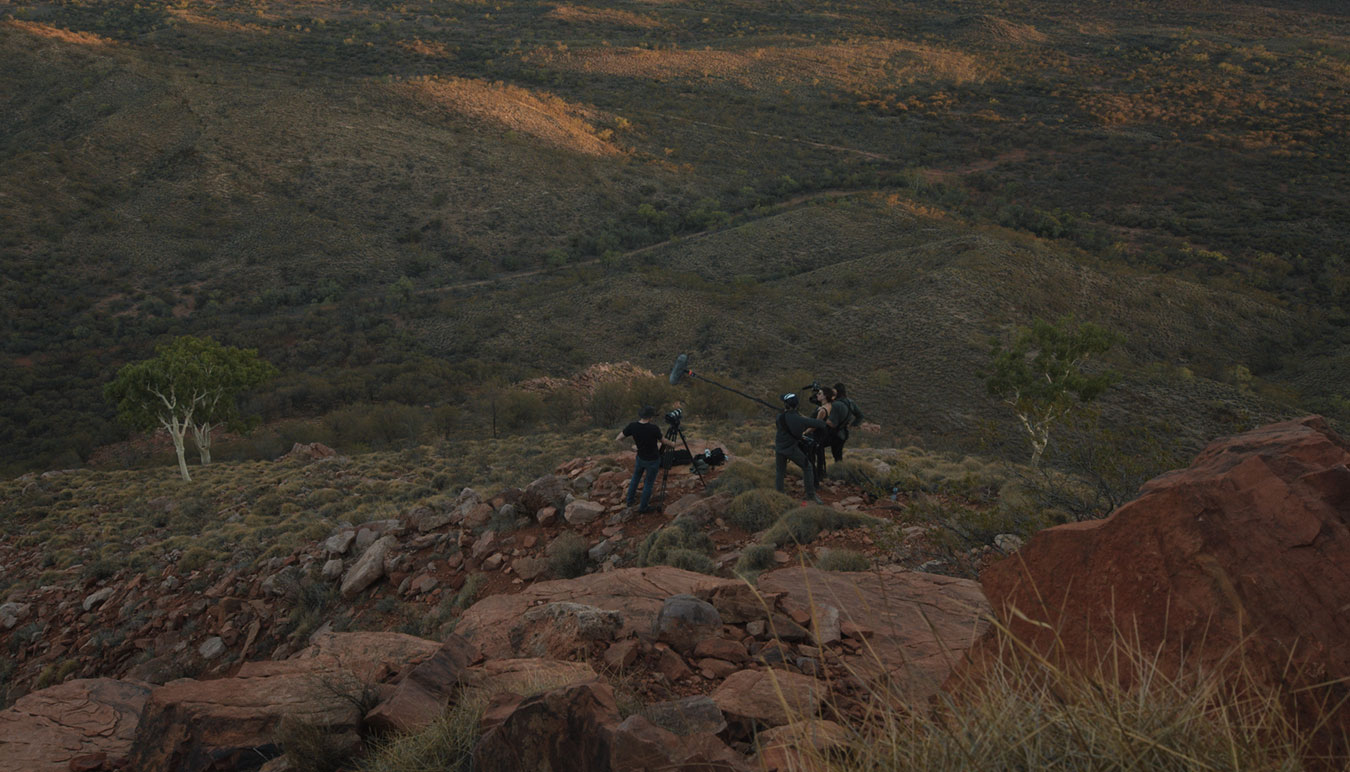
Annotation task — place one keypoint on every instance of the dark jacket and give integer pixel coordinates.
(790, 425)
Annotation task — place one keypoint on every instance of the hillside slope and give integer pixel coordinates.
(328, 181)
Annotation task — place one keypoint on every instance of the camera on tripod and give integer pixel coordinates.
(673, 418)
(682, 456)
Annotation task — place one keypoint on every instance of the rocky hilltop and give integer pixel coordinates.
(631, 667)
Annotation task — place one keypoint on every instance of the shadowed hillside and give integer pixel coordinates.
(404, 204)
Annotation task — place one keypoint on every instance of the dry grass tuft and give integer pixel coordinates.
(448, 743)
(1013, 709)
(1023, 712)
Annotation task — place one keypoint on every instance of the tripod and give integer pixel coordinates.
(667, 462)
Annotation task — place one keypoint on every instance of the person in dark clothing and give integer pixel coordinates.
(786, 446)
(841, 416)
(649, 440)
(824, 401)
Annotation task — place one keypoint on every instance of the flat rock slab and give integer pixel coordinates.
(45, 730)
(527, 674)
(192, 726)
(921, 624)
(769, 698)
(636, 593)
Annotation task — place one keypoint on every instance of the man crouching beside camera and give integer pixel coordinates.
(788, 446)
(649, 440)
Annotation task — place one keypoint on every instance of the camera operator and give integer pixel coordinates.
(649, 440)
(787, 446)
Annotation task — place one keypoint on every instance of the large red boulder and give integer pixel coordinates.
(425, 692)
(1248, 550)
(559, 730)
(47, 730)
(917, 625)
(201, 726)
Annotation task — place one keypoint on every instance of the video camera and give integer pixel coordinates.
(813, 388)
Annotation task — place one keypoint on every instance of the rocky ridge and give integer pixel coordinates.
(728, 676)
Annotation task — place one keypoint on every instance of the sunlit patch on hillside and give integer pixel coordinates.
(191, 19)
(580, 14)
(848, 66)
(55, 33)
(543, 116)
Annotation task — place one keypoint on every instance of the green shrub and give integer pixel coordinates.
(656, 392)
(681, 544)
(755, 558)
(855, 472)
(802, 526)
(690, 560)
(758, 509)
(742, 476)
(102, 568)
(518, 410)
(473, 584)
(194, 558)
(842, 560)
(974, 526)
(609, 403)
(567, 558)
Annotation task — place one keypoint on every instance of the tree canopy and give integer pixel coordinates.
(1041, 376)
(190, 385)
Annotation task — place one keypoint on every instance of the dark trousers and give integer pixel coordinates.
(797, 457)
(837, 441)
(649, 468)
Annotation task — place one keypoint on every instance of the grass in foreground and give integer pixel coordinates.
(1022, 712)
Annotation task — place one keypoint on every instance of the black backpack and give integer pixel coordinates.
(855, 416)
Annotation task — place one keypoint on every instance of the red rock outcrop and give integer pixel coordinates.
(559, 730)
(46, 730)
(636, 593)
(917, 625)
(577, 727)
(192, 725)
(1249, 548)
(423, 694)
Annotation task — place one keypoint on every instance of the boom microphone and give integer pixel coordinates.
(680, 369)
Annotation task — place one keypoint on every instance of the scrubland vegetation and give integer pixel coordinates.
(416, 210)
(416, 204)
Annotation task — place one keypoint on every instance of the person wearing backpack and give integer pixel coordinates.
(844, 413)
(788, 443)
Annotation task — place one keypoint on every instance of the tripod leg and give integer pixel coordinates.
(661, 495)
(701, 481)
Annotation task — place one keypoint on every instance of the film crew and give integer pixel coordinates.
(649, 440)
(788, 446)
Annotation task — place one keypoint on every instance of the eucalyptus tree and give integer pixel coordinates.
(189, 386)
(1041, 376)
